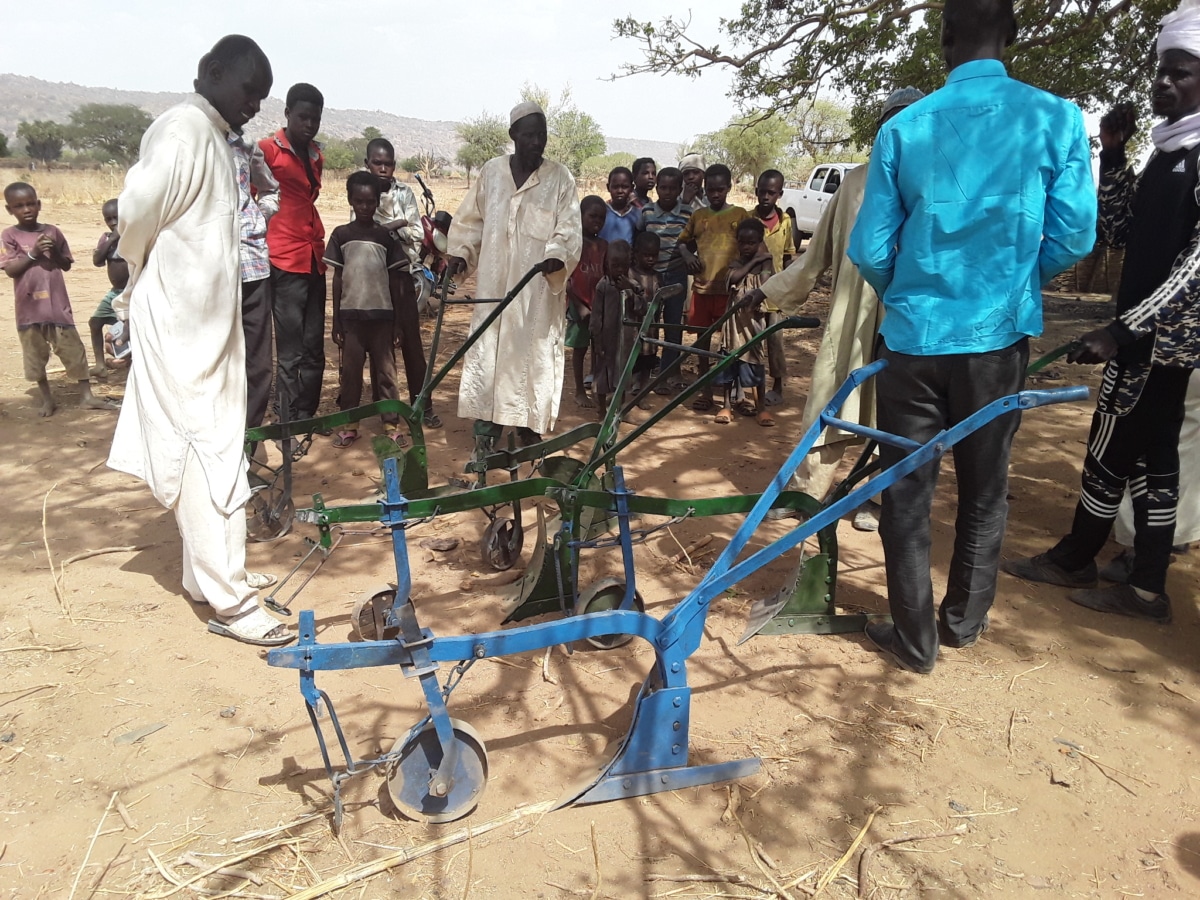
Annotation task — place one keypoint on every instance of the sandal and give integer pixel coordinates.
(260, 580)
(702, 404)
(766, 420)
(399, 438)
(254, 627)
(724, 417)
(664, 390)
(431, 420)
(773, 398)
(746, 409)
(344, 439)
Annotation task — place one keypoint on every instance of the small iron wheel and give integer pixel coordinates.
(501, 543)
(410, 774)
(266, 518)
(370, 613)
(602, 596)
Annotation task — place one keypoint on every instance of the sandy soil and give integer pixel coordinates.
(981, 749)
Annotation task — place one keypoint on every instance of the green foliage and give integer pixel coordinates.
(600, 166)
(483, 137)
(370, 133)
(780, 52)
(410, 164)
(43, 139)
(747, 145)
(340, 154)
(111, 132)
(574, 136)
(4, 145)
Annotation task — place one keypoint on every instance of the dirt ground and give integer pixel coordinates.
(1058, 756)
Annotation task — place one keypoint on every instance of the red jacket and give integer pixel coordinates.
(295, 234)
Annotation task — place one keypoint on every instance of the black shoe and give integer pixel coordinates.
(1123, 600)
(1041, 569)
(431, 419)
(882, 635)
(949, 640)
(1120, 568)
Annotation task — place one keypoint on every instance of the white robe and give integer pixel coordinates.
(855, 312)
(180, 235)
(513, 374)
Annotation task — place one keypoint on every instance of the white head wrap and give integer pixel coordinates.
(521, 110)
(1181, 29)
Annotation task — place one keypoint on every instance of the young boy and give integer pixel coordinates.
(692, 167)
(644, 172)
(753, 267)
(617, 298)
(106, 254)
(581, 290)
(623, 217)
(708, 245)
(646, 248)
(399, 215)
(368, 279)
(35, 256)
(667, 218)
(781, 242)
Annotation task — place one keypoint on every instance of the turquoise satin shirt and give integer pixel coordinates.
(976, 196)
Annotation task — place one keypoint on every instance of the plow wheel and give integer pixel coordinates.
(409, 777)
(501, 543)
(602, 596)
(369, 615)
(268, 515)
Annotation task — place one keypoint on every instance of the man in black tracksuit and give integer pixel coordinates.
(1150, 350)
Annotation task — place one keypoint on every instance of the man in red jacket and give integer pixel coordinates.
(296, 242)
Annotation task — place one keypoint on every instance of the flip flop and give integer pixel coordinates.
(399, 438)
(724, 417)
(254, 627)
(431, 420)
(773, 398)
(746, 409)
(766, 420)
(344, 439)
(702, 404)
(260, 580)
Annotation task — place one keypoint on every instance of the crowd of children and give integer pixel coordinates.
(641, 245)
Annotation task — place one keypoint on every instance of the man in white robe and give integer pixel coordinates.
(848, 341)
(181, 428)
(521, 212)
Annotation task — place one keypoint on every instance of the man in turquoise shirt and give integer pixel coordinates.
(976, 196)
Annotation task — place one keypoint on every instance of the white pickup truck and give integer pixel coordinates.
(806, 203)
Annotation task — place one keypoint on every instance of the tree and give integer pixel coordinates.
(3, 144)
(43, 139)
(1094, 52)
(573, 135)
(821, 130)
(747, 145)
(483, 137)
(411, 165)
(113, 130)
(600, 166)
(339, 154)
(370, 133)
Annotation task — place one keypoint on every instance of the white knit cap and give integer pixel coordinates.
(1181, 29)
(521, 110)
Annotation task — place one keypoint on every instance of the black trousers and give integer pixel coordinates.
(256, 326)
(408, 321)
(299, 308)
(916, 397)
(1139, 448)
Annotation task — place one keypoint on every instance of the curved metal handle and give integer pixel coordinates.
(801, 322)
(1030, 399)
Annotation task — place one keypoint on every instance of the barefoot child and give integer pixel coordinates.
(106, 254)
(368, 268)
(708, 244)
(623, 219)
(747, 274)
(581, 290)
(643, 274)
(782, 244)
(617, 297)
(35, 256)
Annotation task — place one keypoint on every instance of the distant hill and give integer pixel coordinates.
(24, 99)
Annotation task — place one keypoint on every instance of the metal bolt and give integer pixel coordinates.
(665, 779)
(675, 748)
(627, 783)
(674, 667)
(480, 651)
(675, 726)
(677, 702)
(439, 789)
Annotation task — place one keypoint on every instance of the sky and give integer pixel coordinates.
(443, 60)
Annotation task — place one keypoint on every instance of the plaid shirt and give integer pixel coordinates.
(256, 263)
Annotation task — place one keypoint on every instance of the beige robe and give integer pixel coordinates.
(187, 384)
(513, 374)
(854, 310)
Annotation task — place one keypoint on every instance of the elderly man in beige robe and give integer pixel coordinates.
(848, 341)
(183, 422)
(521, 212)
